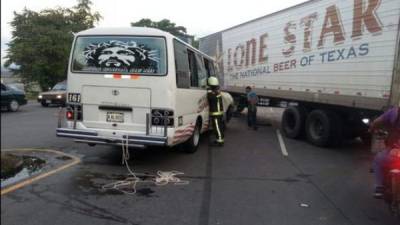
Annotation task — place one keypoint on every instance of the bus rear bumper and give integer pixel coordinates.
(92, 137)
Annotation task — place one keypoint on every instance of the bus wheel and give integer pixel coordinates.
(191, 145)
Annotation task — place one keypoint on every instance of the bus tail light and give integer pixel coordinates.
(70, 115)
(71, 110)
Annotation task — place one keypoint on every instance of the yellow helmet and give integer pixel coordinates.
(213, 81)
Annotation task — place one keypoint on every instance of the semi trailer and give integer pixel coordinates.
(333, 64)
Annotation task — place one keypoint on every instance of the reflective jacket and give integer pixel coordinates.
(215, 103)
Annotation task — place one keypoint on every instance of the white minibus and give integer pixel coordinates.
(137, 86)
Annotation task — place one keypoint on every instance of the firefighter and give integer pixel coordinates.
(216, 109)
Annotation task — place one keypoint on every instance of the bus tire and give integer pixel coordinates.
(293, 120)
(191, 145)
(323, 128)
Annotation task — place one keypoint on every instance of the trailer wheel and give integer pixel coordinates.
(323, 128)
(191, 145)
(293, 120)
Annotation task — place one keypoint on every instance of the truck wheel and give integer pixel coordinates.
(191, 145)
(13, 106)
(323, 128)
(293, 120)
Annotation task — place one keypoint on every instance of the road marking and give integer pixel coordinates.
(75, 160)
(271, 110)
(281, 143)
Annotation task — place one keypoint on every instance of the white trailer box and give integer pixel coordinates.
(341, 54)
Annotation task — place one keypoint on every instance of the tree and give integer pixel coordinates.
(168, 26)
(165, 25)
(41, 41)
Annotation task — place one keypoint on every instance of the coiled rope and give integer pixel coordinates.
(128, 185)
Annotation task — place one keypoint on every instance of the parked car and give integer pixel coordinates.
(57, 95)
(11, 98)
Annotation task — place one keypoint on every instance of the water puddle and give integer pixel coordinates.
(16, 168)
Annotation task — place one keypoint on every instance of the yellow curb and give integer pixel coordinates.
(14, 187)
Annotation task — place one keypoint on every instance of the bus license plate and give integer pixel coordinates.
(115, 117)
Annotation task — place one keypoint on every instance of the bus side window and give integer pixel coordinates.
(201, 72)
(212, 69)
(181, 65)
(209, 65)
(194, 81)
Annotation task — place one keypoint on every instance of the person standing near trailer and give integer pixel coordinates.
(216, 109)
(252, 100)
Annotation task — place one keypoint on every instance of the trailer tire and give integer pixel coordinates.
(191, 145)
(324, 128)
(293, 120)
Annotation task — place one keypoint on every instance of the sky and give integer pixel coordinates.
(201, 17)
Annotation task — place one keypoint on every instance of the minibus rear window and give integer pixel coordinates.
(116, 54)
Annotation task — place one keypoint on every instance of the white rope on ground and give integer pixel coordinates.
(128, 185)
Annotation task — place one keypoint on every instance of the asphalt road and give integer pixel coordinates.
(248, 181)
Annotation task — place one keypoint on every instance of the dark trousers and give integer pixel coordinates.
(218, 129)
(252, 116)
(380, 160)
